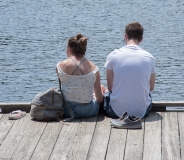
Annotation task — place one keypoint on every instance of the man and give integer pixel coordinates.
(130, 76)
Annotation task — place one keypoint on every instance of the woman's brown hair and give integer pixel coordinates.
(78, 44)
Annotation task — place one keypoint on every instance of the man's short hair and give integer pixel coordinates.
(134, 30)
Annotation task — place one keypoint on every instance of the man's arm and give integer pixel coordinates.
(152, 82)
(110, 76)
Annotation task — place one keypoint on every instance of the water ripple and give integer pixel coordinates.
(33, 38)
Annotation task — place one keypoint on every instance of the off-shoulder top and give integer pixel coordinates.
(77, 88)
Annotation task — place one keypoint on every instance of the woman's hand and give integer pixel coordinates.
(104, 90)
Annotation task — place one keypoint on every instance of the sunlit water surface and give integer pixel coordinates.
(34, 34)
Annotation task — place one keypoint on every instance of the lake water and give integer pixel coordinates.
(34, 34)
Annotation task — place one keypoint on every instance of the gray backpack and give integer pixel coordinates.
(48, 105)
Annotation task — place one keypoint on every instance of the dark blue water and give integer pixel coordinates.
(34, 34)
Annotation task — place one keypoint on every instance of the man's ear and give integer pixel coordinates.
(140, 40)
(125, 36)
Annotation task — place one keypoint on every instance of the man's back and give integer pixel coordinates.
(130, 76)
(132, 68)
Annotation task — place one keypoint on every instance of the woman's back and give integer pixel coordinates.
(74, 66)
(77, 80)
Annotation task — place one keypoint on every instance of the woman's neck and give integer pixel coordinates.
(76, 58)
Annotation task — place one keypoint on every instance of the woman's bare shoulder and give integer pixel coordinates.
(63, 63)
(93, 66)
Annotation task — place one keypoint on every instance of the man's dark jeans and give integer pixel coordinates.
(108, 109)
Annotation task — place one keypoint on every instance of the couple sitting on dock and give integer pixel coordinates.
(130, 78)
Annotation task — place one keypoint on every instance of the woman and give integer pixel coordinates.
(79, 78)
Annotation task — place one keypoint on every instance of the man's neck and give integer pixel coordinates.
(132, 42)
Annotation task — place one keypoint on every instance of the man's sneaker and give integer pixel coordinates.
(125, 114)
(127, 123)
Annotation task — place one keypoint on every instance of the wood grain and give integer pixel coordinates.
(100, 139)
(152, 137)
(13, 137)
(47, 142)
(134, 144)
(116, 147)
(83, 139)
(162, 137)
(170, 137)
(32, 133)
(5, 126)
(181, 132)
(1, 115)
(65, 141)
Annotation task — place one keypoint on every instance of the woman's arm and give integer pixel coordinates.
(56, 70)
(97, 88)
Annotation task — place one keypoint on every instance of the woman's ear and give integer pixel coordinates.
(69, 51)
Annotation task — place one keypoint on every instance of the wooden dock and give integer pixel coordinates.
(161, 138)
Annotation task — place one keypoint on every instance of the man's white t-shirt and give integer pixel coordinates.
(132, 68)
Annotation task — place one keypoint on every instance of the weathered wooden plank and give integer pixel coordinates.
(134, 144)
(47, 141)
(181, 132)
(9, 107)
(168, 103)
(26, 106)
(175, 108)
(170, 136)
(65, 141)
(83, 139)
(100, 139)
(5, 126)
(32, 134)
(116, 145)
(152, 137)
(1, 115)
(159, 109)
(13, 138)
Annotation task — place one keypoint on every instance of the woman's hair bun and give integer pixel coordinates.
(78, 36)
(78, 44)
